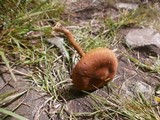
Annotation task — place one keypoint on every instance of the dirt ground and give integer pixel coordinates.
(33, 103)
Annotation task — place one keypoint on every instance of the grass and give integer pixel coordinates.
(5, 99)
(18, 117)
(25, 27)
(89, 41)
(144, 16)
(154, 68)
(114, 106)
(19, 48)
(141, 17)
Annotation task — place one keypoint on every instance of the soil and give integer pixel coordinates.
(33, 103)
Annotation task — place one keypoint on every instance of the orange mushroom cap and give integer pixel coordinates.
(95, 69)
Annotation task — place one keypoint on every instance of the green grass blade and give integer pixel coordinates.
(2, 110)
(7, 64)
(12, 96)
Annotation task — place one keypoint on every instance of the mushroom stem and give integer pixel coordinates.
(71, 40)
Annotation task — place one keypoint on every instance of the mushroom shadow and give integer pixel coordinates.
(71, 93)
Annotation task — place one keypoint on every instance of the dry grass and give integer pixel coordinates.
(23, 42)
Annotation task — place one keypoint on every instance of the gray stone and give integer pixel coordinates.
(142, 37)
(129, 6)
(144, 40)
(131, 87)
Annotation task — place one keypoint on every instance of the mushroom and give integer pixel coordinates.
(95, 68)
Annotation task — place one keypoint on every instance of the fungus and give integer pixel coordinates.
(95, 68)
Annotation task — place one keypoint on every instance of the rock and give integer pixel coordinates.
(141, 37)
(27, 103)
(131, 87)
(129, 6)
(146, 39)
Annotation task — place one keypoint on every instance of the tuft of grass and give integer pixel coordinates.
(24, 27)
(156, 65)
(117, 107)
(18, 20)
(140, 17)
(154, 68)
(90, 41)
